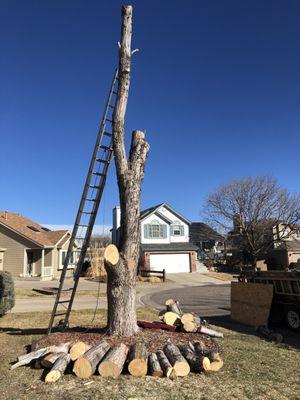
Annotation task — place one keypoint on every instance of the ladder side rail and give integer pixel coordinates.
(87, 239)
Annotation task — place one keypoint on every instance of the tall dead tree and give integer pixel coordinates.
(130, 172)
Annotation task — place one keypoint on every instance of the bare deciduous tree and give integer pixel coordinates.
(257, 211)
(121, 278)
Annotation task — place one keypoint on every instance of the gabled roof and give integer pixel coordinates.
(31, 230)
(152, 210)
(200, 232)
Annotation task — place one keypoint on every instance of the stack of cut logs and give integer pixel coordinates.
(85, 360)
(172, 316)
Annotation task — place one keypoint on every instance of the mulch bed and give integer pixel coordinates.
(154, 339)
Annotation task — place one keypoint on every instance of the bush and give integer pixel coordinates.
(7, 292)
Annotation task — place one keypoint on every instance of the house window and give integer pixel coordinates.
(177, 229)
(155, 230)
(63, 257)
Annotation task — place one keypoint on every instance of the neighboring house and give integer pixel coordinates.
(211, 244)
(164, 239)
(28, 249)
(280, 244)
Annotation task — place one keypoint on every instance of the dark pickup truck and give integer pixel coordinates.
(286, 299)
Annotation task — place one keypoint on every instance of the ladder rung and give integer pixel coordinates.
(98, 173)
(114, 92)
(102, 160)
(107, 134)
(94, 187)
(63, 301)
(83, 225)
(86, 212)
(110, 106)
(67, 290)
(60, 313)
(105, 147)
(87, 199)
(109, 120)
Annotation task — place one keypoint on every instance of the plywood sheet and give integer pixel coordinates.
(251, 302)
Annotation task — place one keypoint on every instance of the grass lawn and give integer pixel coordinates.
(253, 369)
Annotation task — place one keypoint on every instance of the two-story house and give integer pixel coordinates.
(164, 239)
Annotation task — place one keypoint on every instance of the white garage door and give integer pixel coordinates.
(170, 262)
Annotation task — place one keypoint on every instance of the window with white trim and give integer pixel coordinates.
(177, 229)
(63, 257)
(156, 230)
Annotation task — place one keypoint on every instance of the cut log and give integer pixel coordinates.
(58, 368)
(187, 317)
(216, 361)
(199, 348)
(167, 368)
(173, 306)
(49, 360)
(210, 332)
(111, 255)
(78, 349)
(197, 363)
(176, 359)
(171, 318)
(112, 364)
(154, 367)
(26, 359)
(85, 366)
(190, 326)
(138, 360)
(156, 325)
(161, 314)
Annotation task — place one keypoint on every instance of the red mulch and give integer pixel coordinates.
(154, 339)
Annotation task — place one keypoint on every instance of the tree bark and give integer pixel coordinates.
(137, 360)
(114, 361)
(58, 368)
(197, 363)
(166, 366)
(177, 360)
(121, 278)
(86, 365)
(154, 366)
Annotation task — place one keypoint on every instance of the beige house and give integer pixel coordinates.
(28, 249)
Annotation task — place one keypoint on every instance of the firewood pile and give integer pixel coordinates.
(85, 360)
(173, 319)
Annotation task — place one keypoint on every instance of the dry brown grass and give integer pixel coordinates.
(254, 369)
(223, 276)
(23, 293)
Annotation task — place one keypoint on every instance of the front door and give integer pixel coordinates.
(29, 263)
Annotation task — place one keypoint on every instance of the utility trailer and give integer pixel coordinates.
(286, 296)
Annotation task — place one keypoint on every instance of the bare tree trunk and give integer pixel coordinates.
(130, 172)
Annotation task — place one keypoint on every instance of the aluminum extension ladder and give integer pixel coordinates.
(87, 211)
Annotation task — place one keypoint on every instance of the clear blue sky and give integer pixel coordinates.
(216, 86)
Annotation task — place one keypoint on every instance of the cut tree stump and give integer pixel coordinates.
(58, 368)
(171, 318)
(111, 255)
(187, 317)
(177, 360)
(197, 363)
(78, 349)
(49, 360)
(26, 359)
(138, 360)
(167, 368)
(112, 364)
(154, 367)
(173, 306)
(85, 366)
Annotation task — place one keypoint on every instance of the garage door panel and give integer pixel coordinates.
(172, 263)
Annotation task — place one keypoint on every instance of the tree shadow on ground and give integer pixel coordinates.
(290, 338)
(43, 331)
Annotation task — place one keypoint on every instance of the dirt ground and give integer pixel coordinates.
(253, 369)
